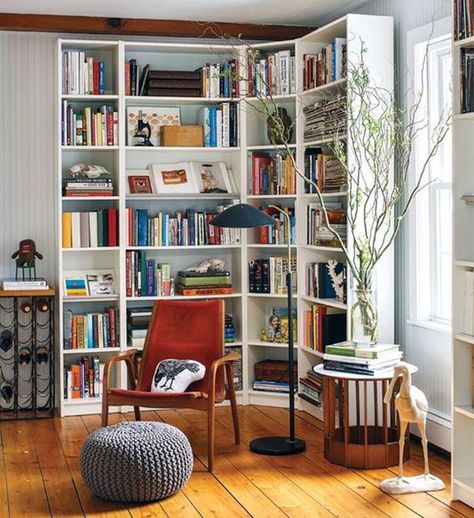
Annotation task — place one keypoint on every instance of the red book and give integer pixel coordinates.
(91, 383)
(128, 273)
(112, 327)
(76, 381)
(127, 78)
(109, 127)
(96, 78)
(211, 237)
(112, 227)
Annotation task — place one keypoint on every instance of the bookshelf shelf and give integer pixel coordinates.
(464, 264)
(466, 410)
(310, 197)
(250, 310)
(332, 303)
(462, 337)
(465, 42)
(463, 116)
(311, 351)
(82, 401)
(92, 350)
(92, 249)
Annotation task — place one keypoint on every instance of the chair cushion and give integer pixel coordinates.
(176, 375)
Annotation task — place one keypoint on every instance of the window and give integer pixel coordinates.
(432, 72)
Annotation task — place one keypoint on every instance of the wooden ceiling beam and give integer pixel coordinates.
(147, 27)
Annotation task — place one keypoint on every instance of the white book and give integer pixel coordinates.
(82, 59)
(90, 78)
(225, 125)
(284, 58)
(93, 229)
(85, 77)
(101, 378)
(292, 74)
(337, 57)
(69, 384)
(76, 229)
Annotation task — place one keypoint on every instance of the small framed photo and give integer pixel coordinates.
(99, 284)
(140, 184)
(75, 286)
(174, 179)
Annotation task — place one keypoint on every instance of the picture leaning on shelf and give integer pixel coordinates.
(90, 283)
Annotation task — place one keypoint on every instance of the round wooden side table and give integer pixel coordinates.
(360, 431)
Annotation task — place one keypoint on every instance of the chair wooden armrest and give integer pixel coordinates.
(128, 357)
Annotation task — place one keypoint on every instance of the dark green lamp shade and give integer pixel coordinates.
(242, 216)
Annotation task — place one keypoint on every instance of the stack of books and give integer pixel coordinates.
(318, 232)
(82, 75)
(229, 329)
(13, 284)
(273, 74)
(311, 388)
(83, 379)
(273, 376)
(328, 65)
(192, 283)
(325, 170)
(269, 275)
(277, 234)
(325, 119)
(91, 330)
(272, 175)
(137, 326)
(90, 229)
(83, 186)
(368, 361)
(146, 277)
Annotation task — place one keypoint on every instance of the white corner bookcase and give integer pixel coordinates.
(249, 309)
(462, 448)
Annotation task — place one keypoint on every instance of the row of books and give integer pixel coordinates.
(271, 74)
(220, 79)
(229, 329)
(84, 379)
(467, 320)
(318, 232)
(278, 233)
(467, 80)
(185, 228)
(319, 283)
(89, 126)
(192, 283)
(221, 125)
(463, 12)
(328, 65)
(272, 174)
(354, 359)
(325, 119)
(91, 330)
(82, 75)
(81, 186)
(90, 229)
(324, 170)
(269, 275)
(322, 328)
(146, 277)
(311, 388)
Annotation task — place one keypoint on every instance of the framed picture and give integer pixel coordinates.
(75, 285)
(155, 116)
(99, 284)
(140, 184)
(211, 177)
(174, 179)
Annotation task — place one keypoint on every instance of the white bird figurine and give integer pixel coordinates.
(412, 407)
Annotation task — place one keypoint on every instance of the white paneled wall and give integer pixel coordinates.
(27, 65)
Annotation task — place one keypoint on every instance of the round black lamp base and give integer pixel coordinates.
(277, 446)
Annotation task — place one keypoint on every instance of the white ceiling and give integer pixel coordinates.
(298, 12)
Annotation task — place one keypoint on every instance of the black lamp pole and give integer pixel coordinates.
(246, 216)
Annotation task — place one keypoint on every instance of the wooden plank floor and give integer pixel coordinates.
(39, 474)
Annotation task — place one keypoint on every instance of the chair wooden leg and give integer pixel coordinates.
(233, 402)
(138, 417)
(105, 410)
(210, 435)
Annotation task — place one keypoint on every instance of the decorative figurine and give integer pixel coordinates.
(88, 170)
(25, 259)
(142, 134)
(412, 407)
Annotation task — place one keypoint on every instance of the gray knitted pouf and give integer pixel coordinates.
(136, 462)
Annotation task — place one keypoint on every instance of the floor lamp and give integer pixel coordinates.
(247, 216)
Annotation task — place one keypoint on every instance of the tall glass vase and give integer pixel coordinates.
(364, 316)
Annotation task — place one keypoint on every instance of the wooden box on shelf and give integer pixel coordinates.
(188, 135)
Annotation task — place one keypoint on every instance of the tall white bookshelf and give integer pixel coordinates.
(462, 464)
(249, 309)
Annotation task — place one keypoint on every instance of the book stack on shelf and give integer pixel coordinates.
(146, 277)
(277, 234)
(322, 328)
(82, 75)
(192, 283)
(326, 66)
(271, 74)
(221, 125)
(325, 118)
(137, 325)
(90, 229)
(91, 330)
(186, 228)
(83, 379)
(325, 170)
(354, 359)
(272, 376)
(24, 284)
(467, 80)
(463, 19)
(83, 186)
(268, 275)
(229, 329)
(318, 233)
(272, 175)
(89, 126)
(311, 388)
(319, 283)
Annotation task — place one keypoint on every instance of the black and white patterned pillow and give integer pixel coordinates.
(176, 375)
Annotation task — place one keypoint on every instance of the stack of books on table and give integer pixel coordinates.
(20, 284)
(193, 283)
(367, 360)
(82, 186)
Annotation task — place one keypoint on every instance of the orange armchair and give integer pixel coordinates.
(181, 330)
